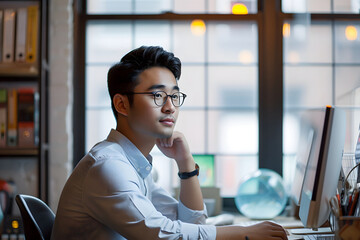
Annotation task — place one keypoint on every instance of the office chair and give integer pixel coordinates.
(38, 218)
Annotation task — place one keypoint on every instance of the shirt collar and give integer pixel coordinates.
(141, 164)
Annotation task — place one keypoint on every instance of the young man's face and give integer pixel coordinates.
(145, 117)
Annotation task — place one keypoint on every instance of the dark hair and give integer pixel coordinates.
(123, 76)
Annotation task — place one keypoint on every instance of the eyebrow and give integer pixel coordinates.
(160, 86)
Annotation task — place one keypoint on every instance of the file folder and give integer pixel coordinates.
(21, 25)
(3, 114)
(8, 35)
(32, 33)
(12, 118)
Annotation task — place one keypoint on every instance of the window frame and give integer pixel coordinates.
(269, 19)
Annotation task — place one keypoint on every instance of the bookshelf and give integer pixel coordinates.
(24, 72)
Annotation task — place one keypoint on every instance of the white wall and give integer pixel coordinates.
(60, 95)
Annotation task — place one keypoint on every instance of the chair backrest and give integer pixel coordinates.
(38, 218)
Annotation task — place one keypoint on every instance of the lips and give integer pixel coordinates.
(168, 121)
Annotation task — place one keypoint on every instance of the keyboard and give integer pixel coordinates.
(319, 237)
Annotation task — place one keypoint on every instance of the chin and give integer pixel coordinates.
(166, 134)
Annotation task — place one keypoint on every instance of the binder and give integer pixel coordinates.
(12, 118)
(26, 117)
(21, 24)
(32, 33)
(8, 35)
(3, 114)
(1, 33)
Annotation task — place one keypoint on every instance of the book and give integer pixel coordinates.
(8, 35)
(32, 33)
(3, 114)
(12, 118)
(1, 32)
(26, 110)
(21, 24)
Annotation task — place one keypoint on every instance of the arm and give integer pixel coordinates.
(176, 147)
(261, 231)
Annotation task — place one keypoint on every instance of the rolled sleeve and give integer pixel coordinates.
(202, 232)
(192, 216)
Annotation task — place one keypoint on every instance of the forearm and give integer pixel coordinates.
(230, 232)
(190, 191)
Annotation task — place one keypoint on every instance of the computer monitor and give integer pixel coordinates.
(324, 165)
(306, 140)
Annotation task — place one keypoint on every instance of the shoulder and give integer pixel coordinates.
(110, 167)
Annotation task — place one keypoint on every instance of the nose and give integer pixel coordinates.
(168, 106)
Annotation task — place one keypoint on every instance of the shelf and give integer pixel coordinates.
(15, 151)
(19, 69)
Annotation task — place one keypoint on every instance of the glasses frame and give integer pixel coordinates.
(167, 95)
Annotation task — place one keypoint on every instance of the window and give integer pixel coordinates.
(321, 67)
(222, 44)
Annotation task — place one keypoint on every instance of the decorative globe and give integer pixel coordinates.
(261, 195)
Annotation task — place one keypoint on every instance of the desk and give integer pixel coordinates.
(285, 222)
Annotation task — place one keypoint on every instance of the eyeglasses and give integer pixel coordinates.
(160, 97)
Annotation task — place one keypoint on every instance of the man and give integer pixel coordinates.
(111, 194)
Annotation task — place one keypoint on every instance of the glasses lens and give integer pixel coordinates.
(160, 98)
(178, 99)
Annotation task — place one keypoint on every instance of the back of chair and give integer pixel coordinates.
(38, 218)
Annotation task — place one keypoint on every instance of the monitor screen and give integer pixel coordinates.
(306, 140)
(323, 166)
(207, 166)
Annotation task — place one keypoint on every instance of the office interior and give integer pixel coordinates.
(250, 69)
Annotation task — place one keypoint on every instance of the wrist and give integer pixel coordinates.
(186, 165)
(186, 175)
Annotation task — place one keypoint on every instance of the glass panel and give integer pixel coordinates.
(306, 86)
(107, 41)
(192, 83)
(347, 6)
(233, 86)
(97, 94)
(189, 41)
(232, 6)
(347, 42)
(308, 43)
(347, 85)
(233, 132)
(152, 6)
(127, 6)
(152, 33)
(190, 6)
(99, 121)
(352, 129)
(109, 6)
(233, 42)
(192, 125)
(303, 6)
(231, 169)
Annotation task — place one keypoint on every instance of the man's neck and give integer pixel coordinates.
(145, 145)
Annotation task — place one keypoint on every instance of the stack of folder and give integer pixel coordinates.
(19, 34)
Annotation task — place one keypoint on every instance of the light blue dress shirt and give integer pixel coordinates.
(111, 195)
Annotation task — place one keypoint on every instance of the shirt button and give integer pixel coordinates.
(148, 168)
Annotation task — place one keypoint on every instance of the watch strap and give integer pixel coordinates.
(186, 175)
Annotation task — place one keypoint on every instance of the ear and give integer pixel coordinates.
(121, 104)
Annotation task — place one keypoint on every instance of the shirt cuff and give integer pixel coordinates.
(201, 232)
(188, 215)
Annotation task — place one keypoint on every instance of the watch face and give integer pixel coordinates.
(197, 168)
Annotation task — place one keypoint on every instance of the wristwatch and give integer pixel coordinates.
(186, 175)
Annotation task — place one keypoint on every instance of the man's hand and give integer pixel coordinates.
(176, 147)
(261, 231)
